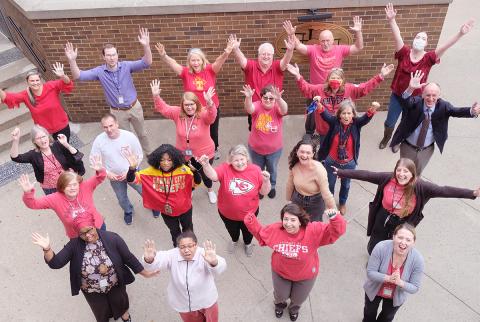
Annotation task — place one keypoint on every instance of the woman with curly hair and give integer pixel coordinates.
(307, 183)
(400, 198)
(167, 186)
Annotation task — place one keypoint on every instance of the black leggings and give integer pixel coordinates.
(385, 224)
(206, 181)
(234, 227)
(65, 131)
(371, 307)
(173, 224)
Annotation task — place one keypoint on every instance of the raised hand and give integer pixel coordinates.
(24, 182)
(203, 160)
(331, 212)
(247, 91)
(41, 241)
(374, 106)
(357, 24)
(16, 134)
(70, 52)
(386, 69)
(161, 49)
(276, 93)
(155, 86)
(62, 139)
(230, 45)
(96, 162)
(131, 157)
(58, 69)
(144, 37)
(210, 255)
(294, 70)
(149, 250)
(289, 28)
(415, 79)
(290, 42)
(265, 176)
(208, 95)
(390, 12)
(236, 42)
(475, 109)
(467, 26)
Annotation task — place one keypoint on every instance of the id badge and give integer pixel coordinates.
(103, 283)
(168, 209)
(188, 152)
(121, 100)
(387, 292)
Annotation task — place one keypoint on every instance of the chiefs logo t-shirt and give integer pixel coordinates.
(238, 192)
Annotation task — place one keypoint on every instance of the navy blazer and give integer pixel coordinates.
(334, 128)
(413, 115)
(115, 248)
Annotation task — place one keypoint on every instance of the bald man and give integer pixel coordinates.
(325, 56)
(425, 121)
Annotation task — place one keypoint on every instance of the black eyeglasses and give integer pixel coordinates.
(85, 233)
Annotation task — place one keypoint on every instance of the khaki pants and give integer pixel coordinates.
(133, 116)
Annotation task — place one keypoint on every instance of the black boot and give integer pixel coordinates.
(387, 135)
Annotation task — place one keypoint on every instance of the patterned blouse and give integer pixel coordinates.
(98, 273)
(52, 170)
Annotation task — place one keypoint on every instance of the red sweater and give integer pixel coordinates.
(48, 111)
(66, 209)
(331, 102)
(295, 256)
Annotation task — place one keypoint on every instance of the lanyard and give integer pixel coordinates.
(393, 197)
(187, 130)
(52, 160)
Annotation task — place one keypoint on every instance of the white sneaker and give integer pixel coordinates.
(231, 247)
(212, 196)
(249, 250)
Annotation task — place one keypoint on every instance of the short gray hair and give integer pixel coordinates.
(39, 129)
(266, 45)
(239, 149)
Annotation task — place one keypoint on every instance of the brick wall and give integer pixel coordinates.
(209, 31)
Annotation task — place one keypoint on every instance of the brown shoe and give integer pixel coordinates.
(387, 135)
(395, 148)
(342, 209)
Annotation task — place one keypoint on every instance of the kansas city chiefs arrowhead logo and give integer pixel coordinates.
(240, 186)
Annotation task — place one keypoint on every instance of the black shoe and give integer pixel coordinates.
(272, 193)
(279, 309)
(128, 218)
(293, 316)
(260, 196)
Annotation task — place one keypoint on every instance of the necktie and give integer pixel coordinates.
(423, 130)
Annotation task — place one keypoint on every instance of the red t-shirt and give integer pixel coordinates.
(321, 62)
(333, 153)
(394, 198)
(238, 192)
(387, 289)
(200, 82)
(266, 136)
(48, 110)
(295, 256)
(258, 80)
(405, 67)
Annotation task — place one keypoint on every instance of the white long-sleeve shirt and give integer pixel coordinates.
(192, 283)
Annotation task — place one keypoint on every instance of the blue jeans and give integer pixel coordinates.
(394, 111)
(332, 178)
(120, 189)
(269, 161)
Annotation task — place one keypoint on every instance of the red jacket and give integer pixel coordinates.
(295, 256)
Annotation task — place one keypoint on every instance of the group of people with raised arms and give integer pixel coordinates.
(101, 264)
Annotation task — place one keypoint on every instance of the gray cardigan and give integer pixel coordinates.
(377, 268)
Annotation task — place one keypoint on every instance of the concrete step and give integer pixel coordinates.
(14, 73)
(5, 44)
(6, 136)
(12, 117)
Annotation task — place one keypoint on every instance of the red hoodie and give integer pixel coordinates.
(295, 256)
(331, 102)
